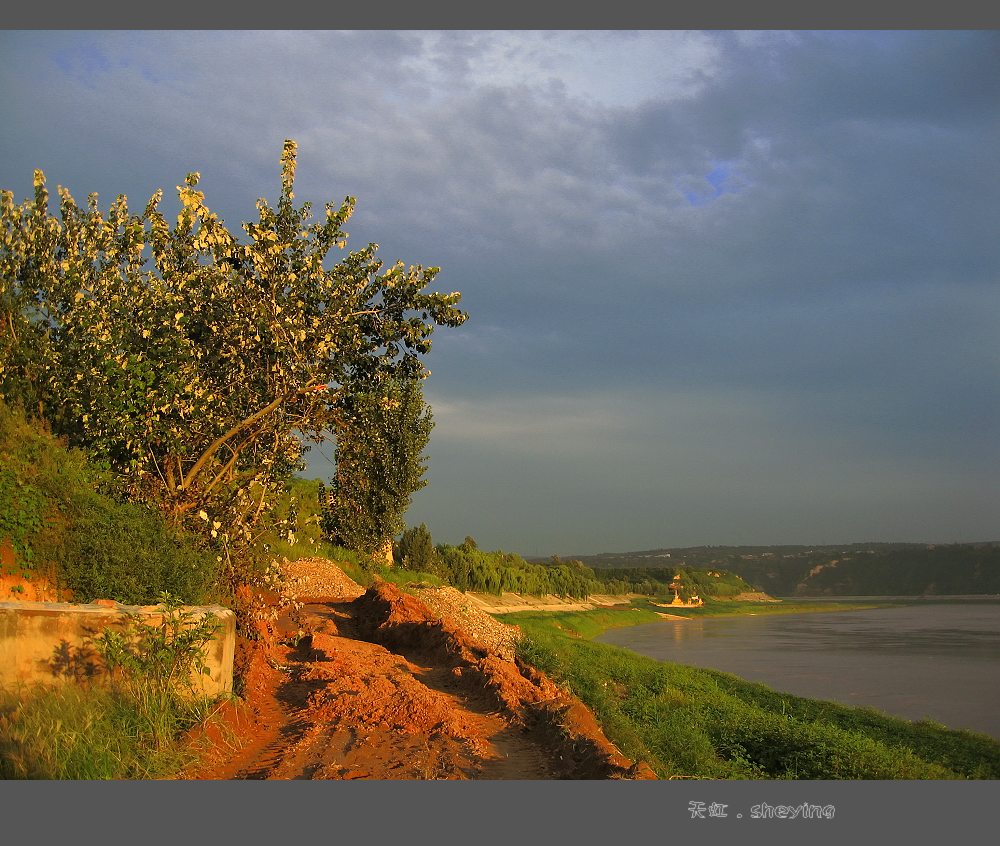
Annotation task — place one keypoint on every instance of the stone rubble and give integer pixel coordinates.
(454, 606)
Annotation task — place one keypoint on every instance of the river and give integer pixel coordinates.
(934, 660)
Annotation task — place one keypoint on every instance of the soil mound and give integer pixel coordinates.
(382, 686)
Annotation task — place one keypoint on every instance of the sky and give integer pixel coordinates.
(724, 287)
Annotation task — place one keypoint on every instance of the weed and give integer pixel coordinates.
(158, 659)
(129, 728)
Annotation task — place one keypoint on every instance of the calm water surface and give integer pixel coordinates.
(936, 661)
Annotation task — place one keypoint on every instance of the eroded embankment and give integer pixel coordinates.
(380, 687)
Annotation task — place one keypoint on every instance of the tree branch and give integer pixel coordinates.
(217, 444)
(170, 480)
(229, 464)
(207, 455)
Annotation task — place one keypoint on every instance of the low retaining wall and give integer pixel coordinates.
(51, 642)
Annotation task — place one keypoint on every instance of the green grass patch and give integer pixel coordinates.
(129, 726)
(75, 732)
(583, 624)
(691, 722)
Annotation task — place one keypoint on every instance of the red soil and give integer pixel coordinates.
(380, 687)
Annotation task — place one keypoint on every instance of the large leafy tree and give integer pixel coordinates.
(192, 362)
(380, 463)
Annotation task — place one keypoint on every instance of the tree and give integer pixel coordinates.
(416, 549)
(379, 460)
(194, 364)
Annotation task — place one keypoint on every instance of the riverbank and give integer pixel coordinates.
(634, 609)
(913, 661)
(752, 607)
(509, 603)
(697, 723)
(512, 603)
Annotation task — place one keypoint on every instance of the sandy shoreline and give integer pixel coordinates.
(508, 603)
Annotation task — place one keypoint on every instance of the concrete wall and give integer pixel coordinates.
(50, 642)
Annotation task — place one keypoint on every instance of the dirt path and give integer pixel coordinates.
(380, 687)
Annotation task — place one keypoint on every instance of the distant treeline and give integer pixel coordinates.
(861, 569)
(715, 583)
(467, 567)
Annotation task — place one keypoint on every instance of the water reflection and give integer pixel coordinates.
(687, 630)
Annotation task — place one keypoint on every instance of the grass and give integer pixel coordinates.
(128, 723)
(90, 732)
(690, 722)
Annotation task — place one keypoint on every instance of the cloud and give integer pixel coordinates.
(607, 69)
(775, 232)
(552, 424)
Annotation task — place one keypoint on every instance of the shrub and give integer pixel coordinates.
(126, 552)
(60, 523)
(153, 666)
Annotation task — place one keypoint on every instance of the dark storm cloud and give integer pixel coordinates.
(704, 271)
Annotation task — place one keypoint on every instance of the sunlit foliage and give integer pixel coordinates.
(193, 363)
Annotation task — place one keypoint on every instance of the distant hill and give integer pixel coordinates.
(859, 569)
